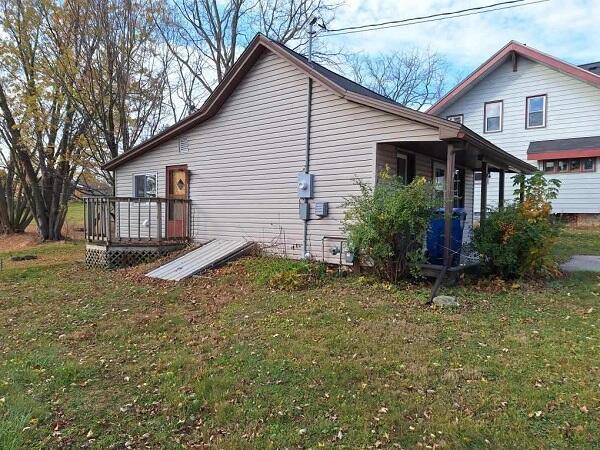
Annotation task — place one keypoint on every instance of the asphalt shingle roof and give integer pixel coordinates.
(592, 67)
(557, 145)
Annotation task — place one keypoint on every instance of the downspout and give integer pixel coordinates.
(305, 251)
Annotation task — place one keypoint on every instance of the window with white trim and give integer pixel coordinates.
(144, 185)
(492, 120)
(458, 118)
(536, 111)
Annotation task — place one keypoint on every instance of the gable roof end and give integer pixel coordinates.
(579, 72)
(340, 85)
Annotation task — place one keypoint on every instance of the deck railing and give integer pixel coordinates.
(135, 220)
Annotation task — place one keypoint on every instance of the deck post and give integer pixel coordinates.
(85, 219)
(448, 204)
(129, 218)
(159, 219)
(107, 219)
(501, 190)
(118, 220)
(92, 212)
(484, 187)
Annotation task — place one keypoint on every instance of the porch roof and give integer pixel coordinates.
(471, 154)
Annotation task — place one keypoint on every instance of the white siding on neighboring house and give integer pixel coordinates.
(243, 162)
(573, 111)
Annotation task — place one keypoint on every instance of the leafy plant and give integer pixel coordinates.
(517, 240)
(386, 224)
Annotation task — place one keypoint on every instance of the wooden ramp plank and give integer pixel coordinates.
(198, 260)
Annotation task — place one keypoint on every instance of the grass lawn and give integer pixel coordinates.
(99, 359)
(75, 213)
(578, 241)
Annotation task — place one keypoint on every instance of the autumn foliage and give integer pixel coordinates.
(517, 240)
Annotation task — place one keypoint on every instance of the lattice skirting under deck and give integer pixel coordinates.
(118, 257)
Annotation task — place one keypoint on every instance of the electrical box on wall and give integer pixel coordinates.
(304, 211)
(321, 209)
(305, 185)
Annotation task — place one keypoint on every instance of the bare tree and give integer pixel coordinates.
(205, 36)
(414, 78)
(40, 125)
(115, 72)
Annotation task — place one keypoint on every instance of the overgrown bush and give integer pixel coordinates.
(517, 240)
(386, 224)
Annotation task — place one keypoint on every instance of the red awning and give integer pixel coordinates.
(564, 154)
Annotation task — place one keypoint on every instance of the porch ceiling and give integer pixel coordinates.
(470, 155)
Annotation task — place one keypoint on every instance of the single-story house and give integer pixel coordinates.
(271, 157)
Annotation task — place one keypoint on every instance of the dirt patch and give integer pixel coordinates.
(17, 242)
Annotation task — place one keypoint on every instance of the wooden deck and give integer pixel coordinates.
(125, 231)
(136, 222)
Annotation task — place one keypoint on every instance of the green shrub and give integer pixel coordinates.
(386, 224)
(517, 240)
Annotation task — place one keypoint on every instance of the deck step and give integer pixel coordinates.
(209, 255)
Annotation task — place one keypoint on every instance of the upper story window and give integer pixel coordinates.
(458, 118)
(183, 144)
(536, 111)
(569, 165)
(144, 185)
(492, 121)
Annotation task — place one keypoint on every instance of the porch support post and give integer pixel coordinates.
(448, 203)
(501, 190)
(484, 181)
(521, 191)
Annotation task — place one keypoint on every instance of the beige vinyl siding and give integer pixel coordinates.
(573, 110)
(244, 161)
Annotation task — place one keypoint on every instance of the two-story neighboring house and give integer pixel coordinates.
(540, 109)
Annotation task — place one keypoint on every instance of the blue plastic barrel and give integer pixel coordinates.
(435, 236)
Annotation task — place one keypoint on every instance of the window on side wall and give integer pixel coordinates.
(458, 118)
(144, 185)
(536, 111)
(549, 166)
(575, 165)
(405, 166)
(492, 121)
(439, 184)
